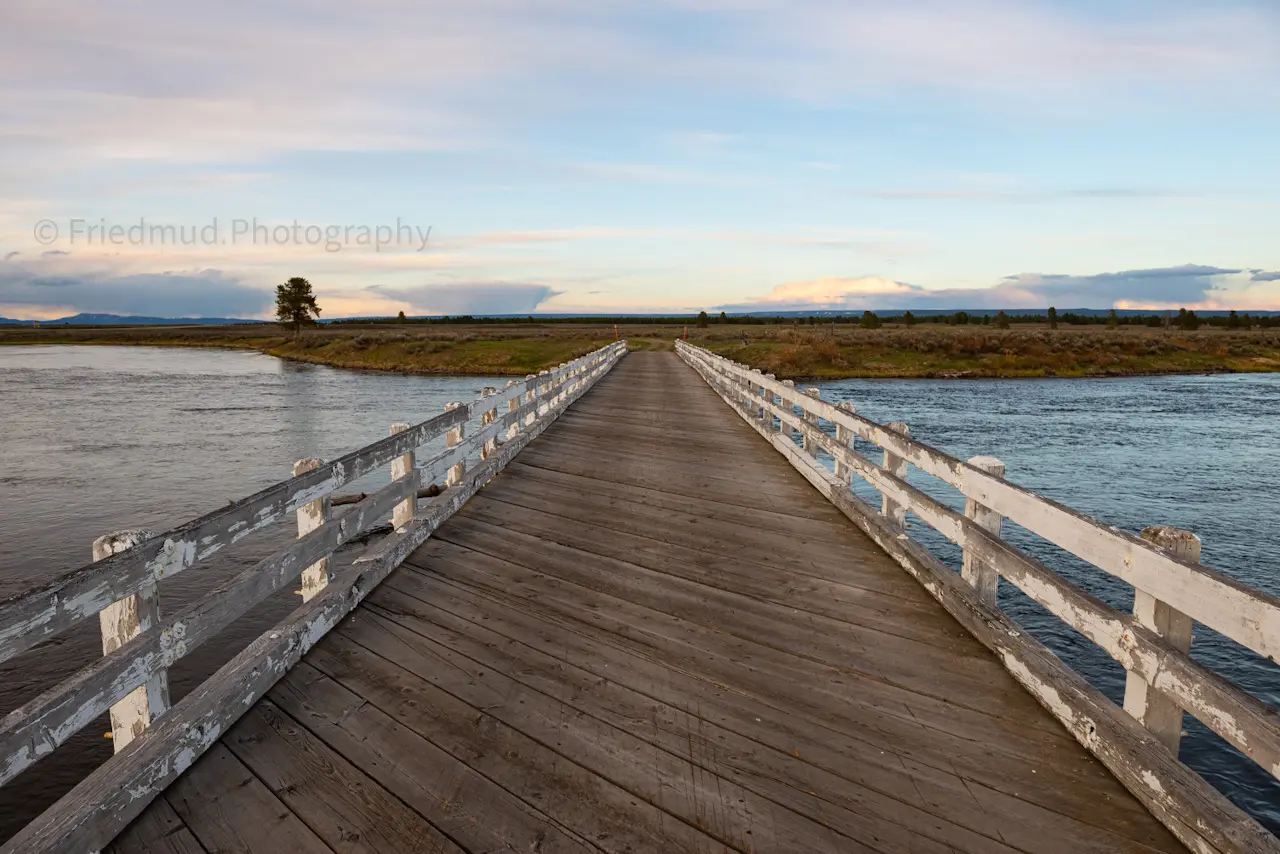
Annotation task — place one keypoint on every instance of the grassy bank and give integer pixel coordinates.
(975, 351)
(790, 350)
(424, 350)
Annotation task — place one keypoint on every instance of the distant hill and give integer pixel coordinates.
(128, 320)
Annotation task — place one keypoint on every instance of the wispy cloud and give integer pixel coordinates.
(1191, 285)
(151, 82)
(471, 297)
(1024, 196)
(54, 284)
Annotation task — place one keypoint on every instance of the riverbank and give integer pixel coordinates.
(979, 352)
(795, 351)
(418, 350)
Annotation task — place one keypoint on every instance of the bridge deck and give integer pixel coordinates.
(649, 634)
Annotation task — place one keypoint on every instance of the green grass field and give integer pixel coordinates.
(787, 350)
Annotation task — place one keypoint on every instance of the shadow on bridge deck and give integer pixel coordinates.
(648, 634)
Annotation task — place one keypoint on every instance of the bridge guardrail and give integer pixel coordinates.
(130, 680)
(1139, 743)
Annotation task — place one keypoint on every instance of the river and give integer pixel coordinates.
(96, 439)
(1196, 452)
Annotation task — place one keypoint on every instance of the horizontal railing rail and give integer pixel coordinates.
(155, 743)
(1138, 743)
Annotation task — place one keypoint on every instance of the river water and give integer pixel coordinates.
(96, 439)
(99, 439)
(1197, 452)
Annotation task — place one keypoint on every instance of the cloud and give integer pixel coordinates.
(1023, 196)
(471, 297)
(1191, 285)
(11, 255)
(159, 81)
(1265, 276)
(59, 284)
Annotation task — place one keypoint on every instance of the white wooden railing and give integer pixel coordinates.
(155, 743)
(1171, 591)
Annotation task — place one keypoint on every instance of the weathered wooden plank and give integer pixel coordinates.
(105, 802)
(346, 809)
(1200, 816)
(28, 618)
(950, 787)
(982, 576)
(121, 622)
(401, 466)
(786, 774)
(1248, 724)
(505, 531)
(310, 517)
(674, 497)
(835, 558)
(476, 812)
(39, 726)
(841, 591)
(1156, 711)
(634, 748)
(546, 766)
(159, 830)
(942, 725)
(1250, 617)
(229, 810)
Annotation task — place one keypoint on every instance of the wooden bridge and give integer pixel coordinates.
(647, 632)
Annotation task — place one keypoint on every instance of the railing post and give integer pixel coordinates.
(121, 622)
(544, 389)
(786, 400)
(844, 438)
(766, 395)
(453, 439)
(487, 417)
(811, 446)
(1160, 715)
(513, 405)
(531, 397)
(402, 467)
(311, 516)
(980, 575)
(897, 466)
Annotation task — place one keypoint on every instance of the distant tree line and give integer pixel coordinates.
(1181, 319)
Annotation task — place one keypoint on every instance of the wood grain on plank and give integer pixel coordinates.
(159, 830)
(230, 810)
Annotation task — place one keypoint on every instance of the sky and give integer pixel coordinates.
(523, 156)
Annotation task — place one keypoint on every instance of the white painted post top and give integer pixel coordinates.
(991, 465)
(304, 466)
(1175, 541)
(113, 544)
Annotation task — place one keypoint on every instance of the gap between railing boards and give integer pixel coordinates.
(130, 680)
(1152, 643)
